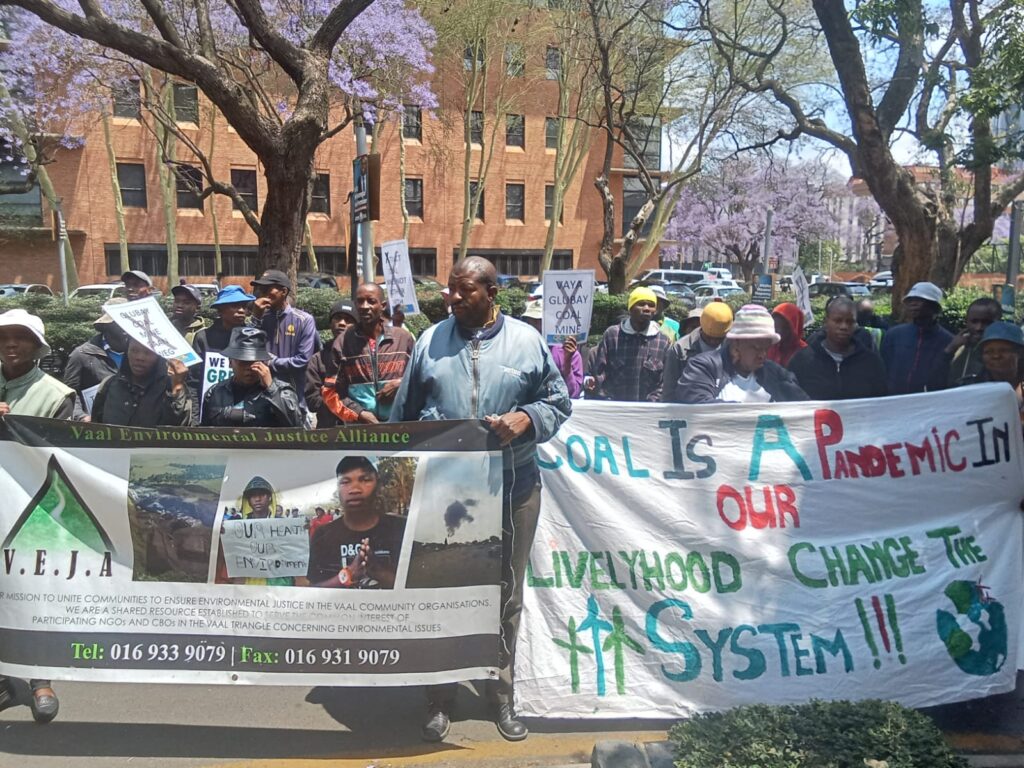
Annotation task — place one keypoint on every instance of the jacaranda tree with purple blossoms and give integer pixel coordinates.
(285, 76)
(725, 211)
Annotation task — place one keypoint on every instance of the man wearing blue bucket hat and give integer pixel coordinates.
(232, 308)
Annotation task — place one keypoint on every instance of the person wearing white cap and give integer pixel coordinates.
(914, 352)
(25, 390)
(668, 326)
(739, 371)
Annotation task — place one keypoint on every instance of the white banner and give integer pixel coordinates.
(146, 322)
(803, 295)
(364, 555)
(568, 304)
(398, 282)
(693, 558)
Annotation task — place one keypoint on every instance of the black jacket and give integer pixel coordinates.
(322, 371)
(708, 373)
(150, 404)
(88, 365)
(228, 406)
(212, 339)
(860, 375)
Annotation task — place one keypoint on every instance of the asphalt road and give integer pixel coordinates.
(179, 726)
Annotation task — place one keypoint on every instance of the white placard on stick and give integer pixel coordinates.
(568, 304)
(398, 283)
(146, 322)
(803, 295)
(216, 370)
(265, 548)
(89, 397)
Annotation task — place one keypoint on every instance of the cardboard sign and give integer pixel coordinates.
(89, 397)
(398, 282)
(265, 548)
(146, 322)
(568, 304)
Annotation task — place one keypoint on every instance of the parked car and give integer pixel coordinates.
(510, 281)
(853, 290)
(682, 292)
(725, 283)
(207, 290)
(315, 280)
(720, 273)
(705, 294)
(881, 280)
(105, 291)
(426, 282)
(672, 276)
(7, 290)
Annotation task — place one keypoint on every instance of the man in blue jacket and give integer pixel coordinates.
(481, 364)
(914, 352)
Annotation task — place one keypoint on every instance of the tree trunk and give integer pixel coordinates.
(218, 260)
(314, 266)
(46, 187)
(122, 232)
(401, 184)
(166, 141)
(284, 214)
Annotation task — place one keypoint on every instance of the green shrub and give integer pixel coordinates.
(838, 734)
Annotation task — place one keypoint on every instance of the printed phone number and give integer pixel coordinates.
(247, 655)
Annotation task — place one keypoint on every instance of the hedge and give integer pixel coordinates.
(838, 734)
(68, 327)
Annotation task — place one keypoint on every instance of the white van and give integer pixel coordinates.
(673, 276)
(720, 273)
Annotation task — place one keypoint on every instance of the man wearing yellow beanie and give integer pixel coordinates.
(715, 322)
(630, 360)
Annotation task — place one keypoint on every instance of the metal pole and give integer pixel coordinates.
(62, 233)
(763, 266)
(365, 232)
(1013, 263)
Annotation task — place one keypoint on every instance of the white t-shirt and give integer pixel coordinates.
(744, 389)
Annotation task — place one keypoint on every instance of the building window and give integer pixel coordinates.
(515, 131)
(553, 63)
(244, 183)
(515, 202)
(331, 261)
(128, 100)
(320, 198)
(186, 103)
(423, 261)
(646, 133)
(131, 178)
(479, 214)
(476, 128)
(151, 259)
(515, 60)
(520, 261)
(474, 52)
(414, 197)
(412, 122)
(549, 203)
(633, 198)
(188, 185)
(551, 132)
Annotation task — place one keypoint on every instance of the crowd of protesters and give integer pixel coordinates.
(373, 370)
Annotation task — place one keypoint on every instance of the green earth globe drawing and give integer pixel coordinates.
(974, 631)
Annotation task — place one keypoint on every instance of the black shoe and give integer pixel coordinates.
(438, 724)
(509, 727)
(7, 698)
(44, 708)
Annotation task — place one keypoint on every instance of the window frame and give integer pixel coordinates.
(551, 139)
(478, 214)
(182, 88)
(183, 186)
(510, 135)
(416, 181)
(409, 110)
(520, 205)
(122, 186)
(136, 103)
(245, 195)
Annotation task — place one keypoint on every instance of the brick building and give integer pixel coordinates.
(511, 228)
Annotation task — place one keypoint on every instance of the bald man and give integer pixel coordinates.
(372, 358)
(481, 364)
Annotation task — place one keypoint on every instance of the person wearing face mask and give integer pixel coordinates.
(739, 371)
(630, 360)
(252, 397)
(146, 391)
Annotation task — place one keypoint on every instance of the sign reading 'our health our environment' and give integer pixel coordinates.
(696, 558)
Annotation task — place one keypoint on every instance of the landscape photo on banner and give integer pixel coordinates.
(226, 556)
(775, 554)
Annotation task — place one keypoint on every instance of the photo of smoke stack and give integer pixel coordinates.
(457, 542)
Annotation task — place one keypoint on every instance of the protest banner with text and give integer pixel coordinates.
(693, 558)
(398, 282)
(250, 555)
(145, 321)
(568, 304)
